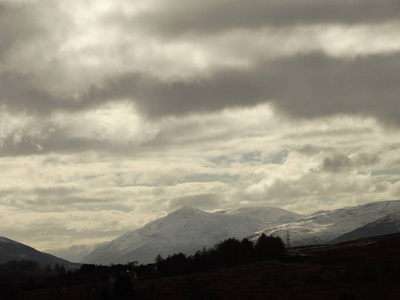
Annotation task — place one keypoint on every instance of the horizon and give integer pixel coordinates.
(212, 212)
(114, 114)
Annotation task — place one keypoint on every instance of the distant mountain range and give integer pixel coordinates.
(329, 226)
(188, 230)
(76, 253)
(12, 250)
(386, 225)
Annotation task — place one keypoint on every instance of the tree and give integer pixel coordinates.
(269, 247)
(247, 250)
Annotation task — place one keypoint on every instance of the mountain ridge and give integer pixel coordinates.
(326, 226)
(188, 230)
(386, 225)
(12, 250)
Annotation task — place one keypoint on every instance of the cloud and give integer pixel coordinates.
(305, 86)
(208, 17)
(202, 201)
(26, 29)
(337, 164)
(49, 230)
(340, 163)
(310, 81)
(111, 128)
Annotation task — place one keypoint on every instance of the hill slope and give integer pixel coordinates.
(386, 225)
(326, 226)
(12, 250)
(187, 230)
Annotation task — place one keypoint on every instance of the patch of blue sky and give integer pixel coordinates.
(385, 172)
(222, 160)
(251, 156)
(274, 158)
(277, 158)
(389, 175)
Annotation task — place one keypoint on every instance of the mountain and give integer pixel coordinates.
(75, 253)
(12, 250)
(187, 230)
(387, 225)
(326, 226)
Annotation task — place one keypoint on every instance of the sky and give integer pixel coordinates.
(115, 113)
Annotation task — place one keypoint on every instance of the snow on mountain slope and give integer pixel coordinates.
(187, 230)
(387, 225)
(75, 253)
(12, 250)
(328, 225)
(265, 217)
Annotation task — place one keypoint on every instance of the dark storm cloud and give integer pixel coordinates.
(304, 86)
(179, 17)
(19, 93)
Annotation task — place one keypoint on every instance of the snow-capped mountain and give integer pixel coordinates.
(12, 250)
(75, 253)
(188, 230)
(326, 226)
(386, 225)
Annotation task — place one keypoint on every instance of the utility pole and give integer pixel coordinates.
(287, 240)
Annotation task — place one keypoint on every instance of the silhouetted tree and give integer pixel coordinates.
(230, 251)
(59, 269)
(247, 250)
(270, 247)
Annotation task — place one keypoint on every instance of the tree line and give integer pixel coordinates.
(18, 276)
(230, 252)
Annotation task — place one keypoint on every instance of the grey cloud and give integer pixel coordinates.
(304, 86)
(312, 150)
(342, 163)
(225, 178)
(337, 164)
(202, 201)
(18, 93)
(367, 159)
(52, 197)
(22, 142)
(18, 24)
(278, 191)
(179, 17)
(50, 139)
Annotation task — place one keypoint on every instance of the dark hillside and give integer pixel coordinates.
(13, 251)
(362, 269)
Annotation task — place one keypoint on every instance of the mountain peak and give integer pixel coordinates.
(187, 210)
(187, 230)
